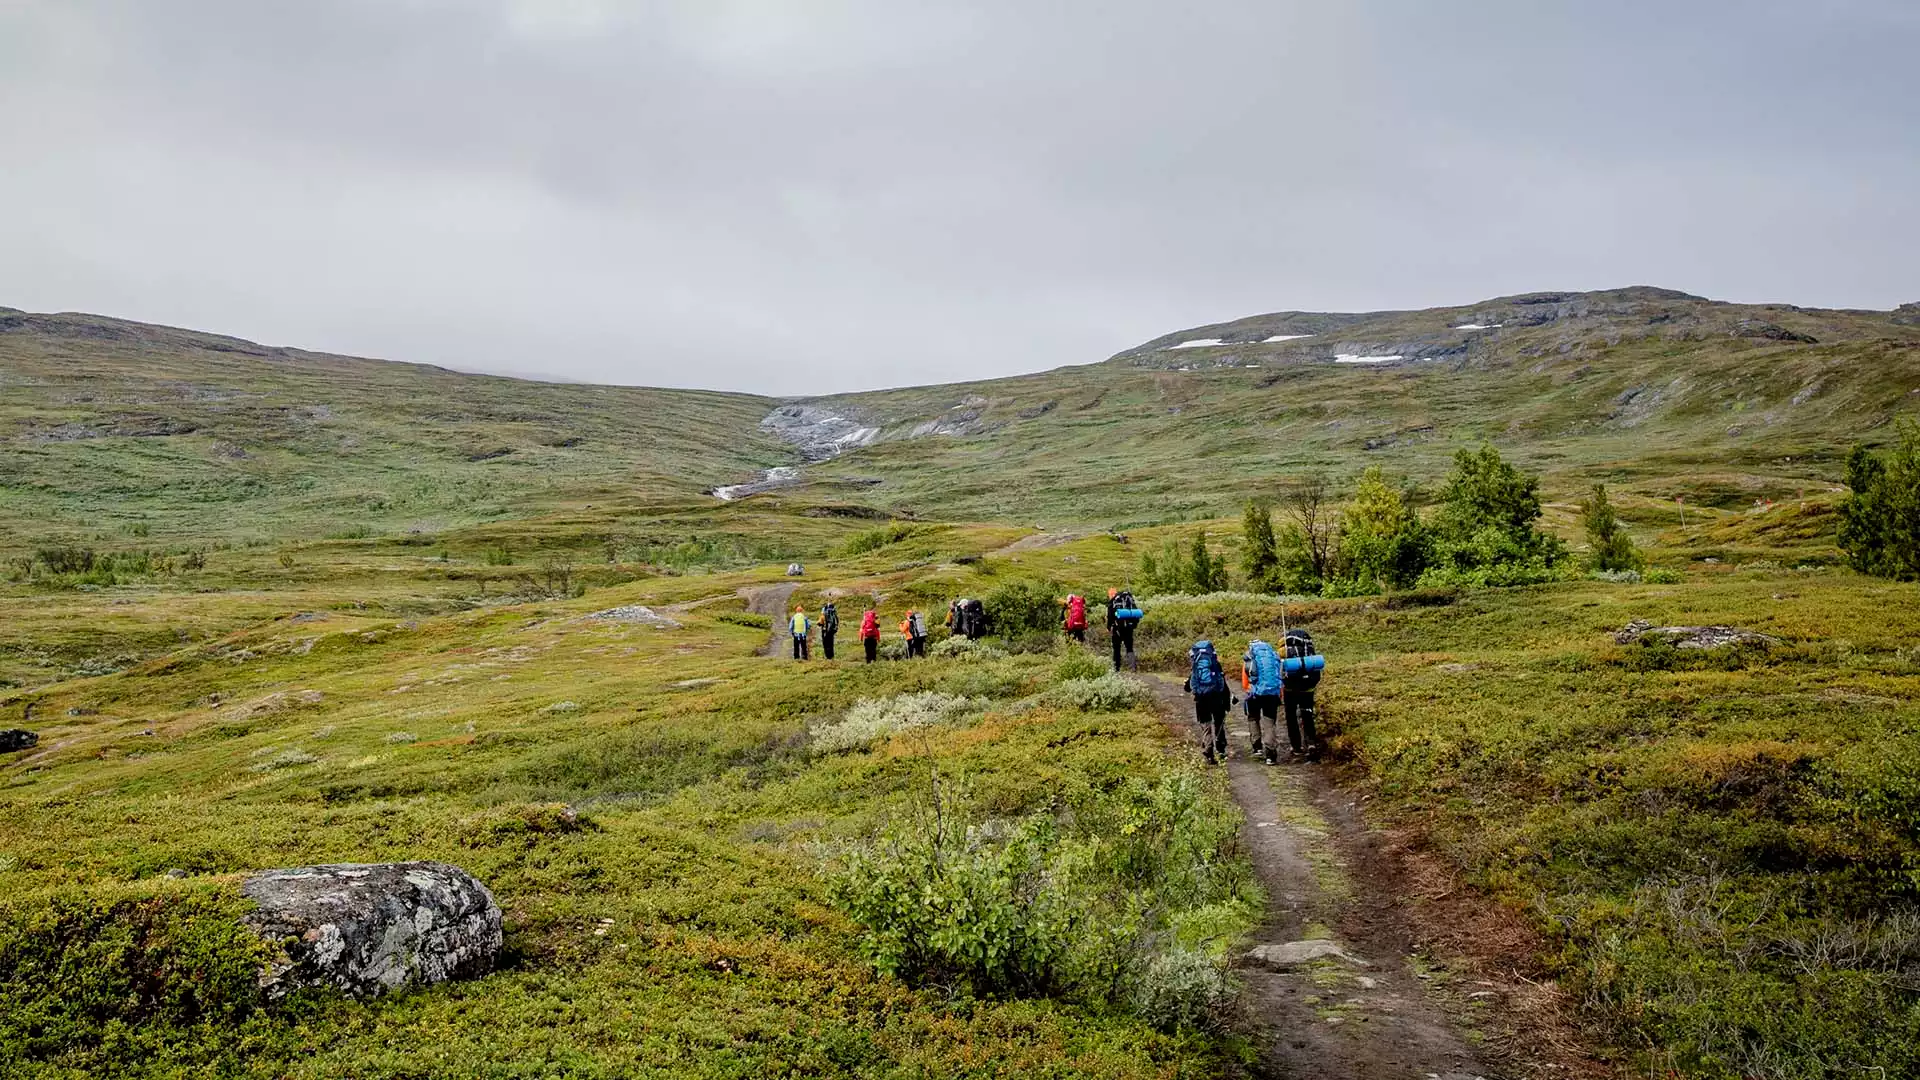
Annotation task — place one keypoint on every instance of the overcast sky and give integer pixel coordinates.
(819, 195)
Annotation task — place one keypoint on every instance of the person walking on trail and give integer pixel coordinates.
(799, 626)
(1123, 616)
(1300, 676)
(1075, 618)
(974, 616)
(870, 633)
(1207, 682)
(1261, 674)
(829, 626)
(914, 629)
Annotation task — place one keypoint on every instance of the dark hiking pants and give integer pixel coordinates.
(1210, 712)
(799, 647)
(826, 644)
(1300, 731)
(1264, 707)
(1122, 636)
(872, 645)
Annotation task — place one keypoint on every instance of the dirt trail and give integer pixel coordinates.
(772, 601)
(1328, 1018)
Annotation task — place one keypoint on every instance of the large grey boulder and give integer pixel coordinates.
(1692, 637)
(17, 739)
(368, 929)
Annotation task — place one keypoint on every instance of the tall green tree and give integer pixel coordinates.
(1612, 548)
(1382, 541)
(1880, 520)
(1207, 574)
(1486, 529)
(1261, 557)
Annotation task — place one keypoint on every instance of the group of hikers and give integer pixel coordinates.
(966, 618)
(1274, 682)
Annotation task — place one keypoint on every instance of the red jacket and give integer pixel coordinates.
(869, 625)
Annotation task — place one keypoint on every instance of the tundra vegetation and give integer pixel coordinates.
(270, 610)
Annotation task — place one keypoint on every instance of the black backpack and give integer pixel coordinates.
(1298, 644)
(830, 620)
(1123, 601)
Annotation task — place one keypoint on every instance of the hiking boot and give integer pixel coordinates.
(1257, 747)
(1273, 757)
(1210, 758)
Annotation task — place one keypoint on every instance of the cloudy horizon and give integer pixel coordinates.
(742, 195)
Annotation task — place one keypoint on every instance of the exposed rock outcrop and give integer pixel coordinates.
(1691, 637)
(369, 929)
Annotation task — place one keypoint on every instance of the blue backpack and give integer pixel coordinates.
(1208, 675)
(1264, 668)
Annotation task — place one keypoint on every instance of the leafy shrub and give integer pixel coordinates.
(1880, 520)
(871, 720)
(92, 980)
(878, 537)
(962, 649)
(1612, 549)
(1080, 664)
(1088, 904)
(1660, 575)
(747, 618)
(1110, 692)
(1024, 606)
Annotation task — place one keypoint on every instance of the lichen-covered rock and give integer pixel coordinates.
(17, 739)
(368, 929)
(1692, 637)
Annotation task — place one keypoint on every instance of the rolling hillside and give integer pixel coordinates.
(1657, 392)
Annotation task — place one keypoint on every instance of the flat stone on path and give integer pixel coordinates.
(1292, 955)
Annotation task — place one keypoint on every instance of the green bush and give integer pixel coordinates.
(1088, 904)
(94, 981)
(873, 719)
(1108, 692)
(1880, 520)
(1080, 664)
(1020, 607)
(878, 537)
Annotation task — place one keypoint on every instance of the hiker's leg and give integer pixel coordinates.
(873, 648)
(826, 645)
(1307, 730)
(1222, 704)
(1114, 636)
(1293, 721)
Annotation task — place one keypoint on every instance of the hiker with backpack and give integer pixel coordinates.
(829, 626)
(870, 633)
(1300, 674)
(914, 627)
(974, 615)
(1207, 682)
(799, 626)
(1075, 617)
(1262, 675)
(1123, 617)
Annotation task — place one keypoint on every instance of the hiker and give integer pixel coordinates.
(1207, 682)
(829, 626)
(974, 615)
(956, 617)
(798, 626)
(870, 633)
(1075, 618)
(1261, 676)
(1123, 615)
(1300, 675)
(914, 628)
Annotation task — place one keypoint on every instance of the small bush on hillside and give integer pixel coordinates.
(746, 618)
(878, 537)
(1090, 904)
(1191, 568)
(871, 720)
(1612, 548)
(960, 648)
(1660, 575)
(1110, 692)
(1016, 608)
(1880, 520)
(1080, 664)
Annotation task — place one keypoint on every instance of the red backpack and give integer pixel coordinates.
(869, 625)
(1076, 612)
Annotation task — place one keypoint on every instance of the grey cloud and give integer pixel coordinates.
(808, 197)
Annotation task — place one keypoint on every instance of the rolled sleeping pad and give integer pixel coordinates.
(1129, 613)
(1303, 663)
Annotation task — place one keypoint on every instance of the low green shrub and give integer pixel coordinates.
(873, 719)
(94, 981)
(1109, 692)
(1080, 664)
(878, 537)
(1092, 903)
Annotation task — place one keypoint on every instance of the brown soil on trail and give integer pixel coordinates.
(772, 601)
(1329, 876)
